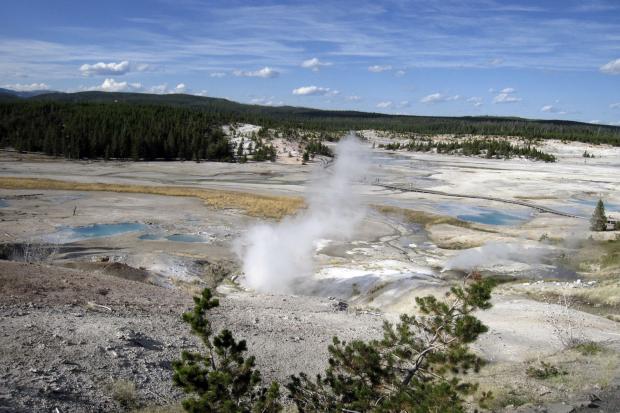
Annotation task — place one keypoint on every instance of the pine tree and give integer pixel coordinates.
(598, 222)
(416, 367)
(222, 380)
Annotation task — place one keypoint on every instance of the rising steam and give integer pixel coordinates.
(276, 257)
(496, 253)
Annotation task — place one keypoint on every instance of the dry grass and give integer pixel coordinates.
(510, 384)
(264, 206)
(124, 392)
(428, 219)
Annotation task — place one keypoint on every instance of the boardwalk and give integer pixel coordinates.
(488, 198)
(326, 163)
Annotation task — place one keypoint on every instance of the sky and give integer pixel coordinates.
(550, 59)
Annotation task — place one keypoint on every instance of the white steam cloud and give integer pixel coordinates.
(276, 257)
(496, 253)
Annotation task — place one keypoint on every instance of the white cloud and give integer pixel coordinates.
(400, 73)
(163, 89)
(475, 100)
(111, 85)
(265, 72)
(314, 90)
(595, 121)
(266, 101)
(611, 68)
(385, 105)
(615, 106)
(105, 69)
(496, 62)
(379, 68)
(143, 67)
(552, 109)
(159, 89)
(353, 98)
(506, 96)
(18, 87)
(314, 64)
(404, 104)
(217, 74)
(438, 97)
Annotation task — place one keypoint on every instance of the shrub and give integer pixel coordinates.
(124, 392)
(588, 348)
(544, 371)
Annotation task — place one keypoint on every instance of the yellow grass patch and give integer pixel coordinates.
(264, 206)
(427, 219)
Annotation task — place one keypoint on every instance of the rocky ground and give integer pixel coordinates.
(69, 337)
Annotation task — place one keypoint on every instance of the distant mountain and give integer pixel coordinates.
(24, 93)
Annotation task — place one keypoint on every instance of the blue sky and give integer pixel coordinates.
(537, 59)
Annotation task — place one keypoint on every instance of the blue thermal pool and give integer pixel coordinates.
(71, 234)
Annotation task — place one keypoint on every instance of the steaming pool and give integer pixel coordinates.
(66, 235)
(71, 234)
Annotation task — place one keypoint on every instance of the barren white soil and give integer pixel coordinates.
(177, 245)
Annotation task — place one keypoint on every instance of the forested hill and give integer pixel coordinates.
(331, 120)
(147, 126)
(120, 130)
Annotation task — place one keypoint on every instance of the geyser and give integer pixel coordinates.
(278, 257)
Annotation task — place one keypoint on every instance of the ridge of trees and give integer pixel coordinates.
(490, 148)
(124, 131)
(331, 120)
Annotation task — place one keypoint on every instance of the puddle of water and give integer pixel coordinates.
(585, 207)
(3, 203)
(482, 215)
(588, 205)
(492, 218)
(71, 234)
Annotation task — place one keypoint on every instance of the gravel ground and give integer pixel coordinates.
(67, 335)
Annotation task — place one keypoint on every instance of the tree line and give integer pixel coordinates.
(141, 126)
(292, 118)
(492, 148)
(120, 131)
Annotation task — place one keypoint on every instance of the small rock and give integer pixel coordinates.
(559, 408)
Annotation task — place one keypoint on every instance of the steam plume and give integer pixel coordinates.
(494, 253)
(278, 256)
